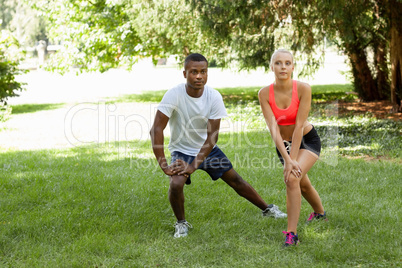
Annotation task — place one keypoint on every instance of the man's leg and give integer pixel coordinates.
(243, 188)
(176, 196)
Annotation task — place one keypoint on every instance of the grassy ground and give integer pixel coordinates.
(106, 205)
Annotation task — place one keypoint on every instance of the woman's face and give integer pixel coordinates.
(282, 65)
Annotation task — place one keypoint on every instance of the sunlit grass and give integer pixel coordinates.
(31, 108)
(107, 205)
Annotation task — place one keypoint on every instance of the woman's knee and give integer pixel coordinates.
(293, 182)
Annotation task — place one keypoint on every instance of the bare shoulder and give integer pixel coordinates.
(263, 93)
(303, 88)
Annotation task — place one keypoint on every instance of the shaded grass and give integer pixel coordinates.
(243, 95)
(107, 205)
(32, 108)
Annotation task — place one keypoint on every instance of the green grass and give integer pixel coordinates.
(107, 206)
(32, 108)
(243, 95)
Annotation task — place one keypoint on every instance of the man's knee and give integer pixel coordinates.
(232, 178)
(177, 183)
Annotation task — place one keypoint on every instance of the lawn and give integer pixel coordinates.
(106, 205)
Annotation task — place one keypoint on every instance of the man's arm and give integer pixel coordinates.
(157, 139)
(212, 138)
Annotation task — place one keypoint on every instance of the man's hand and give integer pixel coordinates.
(175, 168)
(169, 171)
(182, 168)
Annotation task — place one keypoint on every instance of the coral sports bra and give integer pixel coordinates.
(285, 117)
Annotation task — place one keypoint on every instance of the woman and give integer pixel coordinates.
(285, 105)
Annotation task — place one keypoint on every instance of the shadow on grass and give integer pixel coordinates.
(239, 95)
(32, 108)
(86, 197)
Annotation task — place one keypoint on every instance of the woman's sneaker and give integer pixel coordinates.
(273, 211)
(317, 216)
(181, 229)
(291, 239)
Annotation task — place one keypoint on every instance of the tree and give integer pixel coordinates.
(360, 28)
(102, 34)
(23, 21)
(395, 8)
(96, 35)
(9, 67)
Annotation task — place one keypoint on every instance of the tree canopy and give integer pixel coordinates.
(102, 34)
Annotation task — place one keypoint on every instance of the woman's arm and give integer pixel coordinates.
(301, 118)
(270, 120)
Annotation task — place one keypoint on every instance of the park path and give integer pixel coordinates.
(87, 119)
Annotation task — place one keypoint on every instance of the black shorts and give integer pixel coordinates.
(311, 142)
(215, 164)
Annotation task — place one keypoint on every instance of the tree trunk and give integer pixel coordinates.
(382, 71)
(363, 80)
(396, 53)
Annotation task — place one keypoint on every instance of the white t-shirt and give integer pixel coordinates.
(188, 117)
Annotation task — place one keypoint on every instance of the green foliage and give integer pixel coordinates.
(9, 86)
(5, 113)
(252, 30)
(19, 18)
(96, 35)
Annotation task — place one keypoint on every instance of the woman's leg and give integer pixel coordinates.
(293, 202)
(306, 160)
(310, 194)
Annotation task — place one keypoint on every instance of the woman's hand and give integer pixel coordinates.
(291, 167)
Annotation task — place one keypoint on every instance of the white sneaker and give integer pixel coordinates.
(274, 212)
(182, 229)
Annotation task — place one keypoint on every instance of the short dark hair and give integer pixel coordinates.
(194, 57)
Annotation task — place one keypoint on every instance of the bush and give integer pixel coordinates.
(9, 60)
(5, 112)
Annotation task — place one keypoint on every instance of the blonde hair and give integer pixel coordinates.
(281, 50)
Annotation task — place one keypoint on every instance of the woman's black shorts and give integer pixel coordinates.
(311, 141)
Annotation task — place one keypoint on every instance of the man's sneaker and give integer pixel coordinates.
(273, 211)
(291, 239)
(317, 216)
(181, 229)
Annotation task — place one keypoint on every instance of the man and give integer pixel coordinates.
(194, 111)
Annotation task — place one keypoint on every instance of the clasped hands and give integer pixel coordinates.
(291, 167)
(179, 167)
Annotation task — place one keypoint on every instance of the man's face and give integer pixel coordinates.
(196, 73)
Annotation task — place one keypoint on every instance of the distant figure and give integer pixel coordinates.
(194, 111)
(41, 48)
(285, 105)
